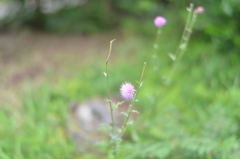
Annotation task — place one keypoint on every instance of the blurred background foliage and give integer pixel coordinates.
(220, 24)
(196, 116)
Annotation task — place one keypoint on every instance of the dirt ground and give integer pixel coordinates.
(27, 56)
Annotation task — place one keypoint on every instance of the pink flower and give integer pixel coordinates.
(159, 21)
(127, 91)
(199, 10)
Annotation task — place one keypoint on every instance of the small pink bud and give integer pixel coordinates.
(159, 21)
(199, 10)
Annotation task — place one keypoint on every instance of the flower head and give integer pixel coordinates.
(127, 90)
(199, 10)
(159, 21)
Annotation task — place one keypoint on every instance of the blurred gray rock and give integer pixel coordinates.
(86, 118)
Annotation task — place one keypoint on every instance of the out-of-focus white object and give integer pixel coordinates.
(87, 117)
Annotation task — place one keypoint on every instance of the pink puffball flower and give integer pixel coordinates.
(127, 91)
(199, 10)
(159, 21)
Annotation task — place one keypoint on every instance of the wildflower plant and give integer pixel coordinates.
(127, 89)
(177, 56)
(181, 49)
(159, 22)
(128, 93)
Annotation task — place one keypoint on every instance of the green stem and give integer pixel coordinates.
(190, 10)
(184, 40)
(182, 45)
(109, 93)
(131, 106)
(110, 100)
(155, 46)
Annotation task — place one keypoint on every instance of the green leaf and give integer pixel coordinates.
(108, 100)
(125, 114)
(105, 127)
(135, 111)
(116, 139)
(129, 122)
(117, 105)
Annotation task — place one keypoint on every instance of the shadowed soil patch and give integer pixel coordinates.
(31, 55)
(27, 57)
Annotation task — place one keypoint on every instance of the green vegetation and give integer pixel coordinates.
(221, 22)
(194, 117)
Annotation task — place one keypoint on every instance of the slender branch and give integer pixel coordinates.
(109, 93)
(110, 100)
(131, 106)
(182, 44)
(188, 34)
(155, 46)
(190, 10)
(184, 39)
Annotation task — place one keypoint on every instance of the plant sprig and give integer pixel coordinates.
(131, 106)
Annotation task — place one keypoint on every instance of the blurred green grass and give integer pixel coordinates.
(194, 117)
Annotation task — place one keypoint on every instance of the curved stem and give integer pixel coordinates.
(110, 100)
(109, 93)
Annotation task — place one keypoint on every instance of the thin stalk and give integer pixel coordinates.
(187, 37)
(131, 106)
(109, 93)
(110, 99)
(184, 39)
(190, 10)
(182, 44)
(155, 46)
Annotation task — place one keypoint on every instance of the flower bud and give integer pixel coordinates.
(159, 21)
